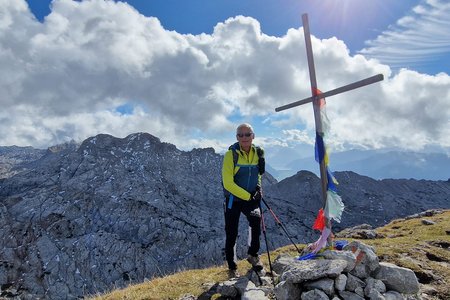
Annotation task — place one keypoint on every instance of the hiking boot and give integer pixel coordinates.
(255, 262)
(233, 273)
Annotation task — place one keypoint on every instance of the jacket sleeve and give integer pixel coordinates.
(228, 178)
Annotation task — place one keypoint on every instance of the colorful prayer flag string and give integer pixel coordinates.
(333, 204)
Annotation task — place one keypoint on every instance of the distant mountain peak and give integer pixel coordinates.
(72, 145)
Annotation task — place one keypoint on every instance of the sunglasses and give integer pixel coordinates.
(247, 134)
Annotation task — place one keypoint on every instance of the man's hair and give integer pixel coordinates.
(244, 125)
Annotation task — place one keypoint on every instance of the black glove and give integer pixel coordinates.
(256, 196)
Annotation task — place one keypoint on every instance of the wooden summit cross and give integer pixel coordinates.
(316, 97)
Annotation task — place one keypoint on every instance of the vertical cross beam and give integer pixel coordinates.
(316, 101)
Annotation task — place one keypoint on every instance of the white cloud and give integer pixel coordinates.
(219, 145)
(40, 130)
(63, 79)
(298, 136)
(417, 39)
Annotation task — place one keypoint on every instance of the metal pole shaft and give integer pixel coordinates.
(280, 224)
(267, 244)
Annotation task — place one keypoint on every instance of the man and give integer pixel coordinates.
(241, 178)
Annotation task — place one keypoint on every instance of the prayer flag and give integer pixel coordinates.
(319, 223)
(334, 206)
(322, 241)
(333, 203)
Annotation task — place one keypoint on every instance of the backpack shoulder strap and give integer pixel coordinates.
(261, 160)
(259, 151)
(233, 149)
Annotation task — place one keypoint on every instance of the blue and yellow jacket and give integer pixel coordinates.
(241, 179)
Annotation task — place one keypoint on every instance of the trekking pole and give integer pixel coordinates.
(280, 224)
(263, 225)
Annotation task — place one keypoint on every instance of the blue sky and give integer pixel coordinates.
(190, 71)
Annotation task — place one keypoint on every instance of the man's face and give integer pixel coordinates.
(245, 137)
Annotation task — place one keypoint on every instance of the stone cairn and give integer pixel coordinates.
(352, 273)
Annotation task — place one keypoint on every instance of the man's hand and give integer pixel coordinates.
(256, 196)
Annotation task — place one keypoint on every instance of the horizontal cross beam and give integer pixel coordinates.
(339, 90)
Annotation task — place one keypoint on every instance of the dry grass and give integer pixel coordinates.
(407, 243)
(170, 287)
(425, 249)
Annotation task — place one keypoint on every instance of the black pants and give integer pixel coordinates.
(253, 213)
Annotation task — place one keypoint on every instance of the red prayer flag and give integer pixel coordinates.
(319, 223)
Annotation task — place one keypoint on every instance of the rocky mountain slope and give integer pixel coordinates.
(15, 159)
(82, 219)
